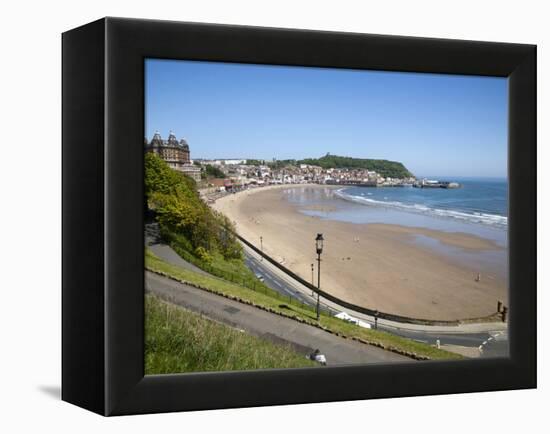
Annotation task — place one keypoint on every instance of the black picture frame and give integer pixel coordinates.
(103, 201)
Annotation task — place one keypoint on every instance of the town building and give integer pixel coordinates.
(175, 153)
(192, 171)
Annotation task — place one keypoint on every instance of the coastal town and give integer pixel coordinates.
(242, 173)
(225, 175)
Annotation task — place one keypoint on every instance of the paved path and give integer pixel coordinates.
(302, 337)
(165, 252)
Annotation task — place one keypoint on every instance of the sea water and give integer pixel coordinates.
(478, 207)
(478, 200)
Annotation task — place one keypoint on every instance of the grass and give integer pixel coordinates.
(232, 270)
(275, 302)
(178, 340)
(234, 266)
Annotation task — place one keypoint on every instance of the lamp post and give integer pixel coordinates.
(319, 248)
(262, 247)
(312, 280)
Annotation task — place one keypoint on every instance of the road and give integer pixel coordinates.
(303, 338)
(277, 283)
(495, 345)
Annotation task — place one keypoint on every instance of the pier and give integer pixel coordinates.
(425, 183)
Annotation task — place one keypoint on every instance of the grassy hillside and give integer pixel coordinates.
(232, 270)
(177, 340)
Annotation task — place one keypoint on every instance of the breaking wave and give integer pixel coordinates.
(471, 217)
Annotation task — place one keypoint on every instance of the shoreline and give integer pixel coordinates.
(376, 265)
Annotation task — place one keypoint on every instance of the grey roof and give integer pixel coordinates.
(183, 144)
(171, 142)
(157, 140)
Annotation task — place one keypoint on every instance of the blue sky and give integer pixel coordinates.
(435, 124)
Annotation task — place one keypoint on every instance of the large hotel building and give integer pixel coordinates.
(176, 154)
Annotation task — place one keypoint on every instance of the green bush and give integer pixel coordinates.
(203, 255)
(180, 210)
(213, 171)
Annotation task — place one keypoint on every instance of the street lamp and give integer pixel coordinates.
(312, 281)
(262, 247)
(319, 247)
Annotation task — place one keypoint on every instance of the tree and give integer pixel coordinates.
(214, 172)
(255, 162)
(392, 169)
(180, 210)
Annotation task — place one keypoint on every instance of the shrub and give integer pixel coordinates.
(179, 209)
(203, 255)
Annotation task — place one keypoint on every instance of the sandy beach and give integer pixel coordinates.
(379, 266)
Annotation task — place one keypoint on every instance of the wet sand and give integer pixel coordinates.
(379, 266)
